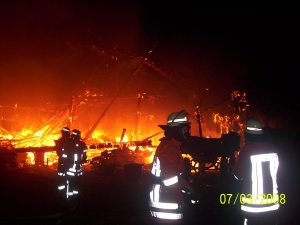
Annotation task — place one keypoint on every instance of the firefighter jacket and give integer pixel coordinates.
(257, 166)
(60, 147)
(166, 198)
(76, 156)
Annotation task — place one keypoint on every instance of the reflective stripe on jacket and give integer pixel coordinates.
(75, 156)
(167, 166)
(257, 166)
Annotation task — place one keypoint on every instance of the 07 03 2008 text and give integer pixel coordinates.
(252, 199)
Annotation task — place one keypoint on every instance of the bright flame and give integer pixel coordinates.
(30, 159)
(50, 158)
(125, 139)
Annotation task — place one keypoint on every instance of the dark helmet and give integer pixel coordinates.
(65, 131)
(254, 126)
(76, 134)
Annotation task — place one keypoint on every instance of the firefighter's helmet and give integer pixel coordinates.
(65, 130)
(178, 126)
(254, 126)
(76, 134)
(177, 118)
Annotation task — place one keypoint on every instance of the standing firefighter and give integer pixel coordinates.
(60, 146)
(76, 152)
(166, 193)
(256, 167)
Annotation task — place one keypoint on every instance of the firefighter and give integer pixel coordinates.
(76, 155)
(257, 165)
(167, 200)
(60, 146)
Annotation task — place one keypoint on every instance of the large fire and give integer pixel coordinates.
(141, 124)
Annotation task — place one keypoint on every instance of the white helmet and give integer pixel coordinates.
(176, 119)
(254, 126)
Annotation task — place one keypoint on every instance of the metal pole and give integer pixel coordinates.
(198, 120)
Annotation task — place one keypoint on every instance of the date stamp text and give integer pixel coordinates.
(252, 199)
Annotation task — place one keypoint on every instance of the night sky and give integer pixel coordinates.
(52, 50)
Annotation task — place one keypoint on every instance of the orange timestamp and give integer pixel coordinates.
(258, 199)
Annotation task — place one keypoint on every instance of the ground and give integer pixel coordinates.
(29, 196)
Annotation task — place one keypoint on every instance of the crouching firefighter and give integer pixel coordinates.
(167, 200)
(76, 154)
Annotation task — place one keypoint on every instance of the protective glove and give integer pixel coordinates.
(191, 196)
(194, 197)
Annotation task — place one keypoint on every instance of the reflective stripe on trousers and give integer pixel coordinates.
(163, 211)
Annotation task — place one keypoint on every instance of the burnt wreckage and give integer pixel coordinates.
(198, 151)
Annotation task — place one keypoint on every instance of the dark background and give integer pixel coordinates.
(52, 50)
(45, 45)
